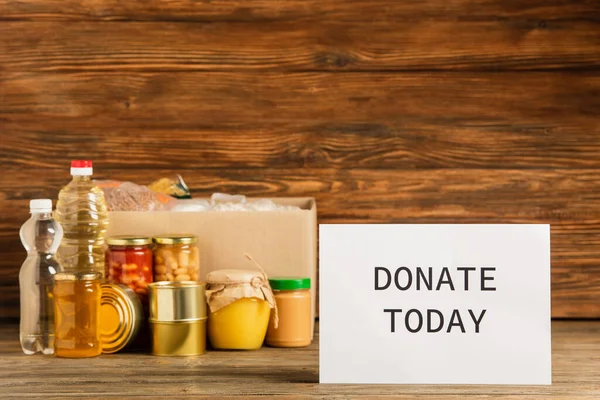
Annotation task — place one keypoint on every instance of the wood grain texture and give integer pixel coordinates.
(240, 120)
(281, 373)
(539, 11)
(190, 99)
(568, 200)
(404, 145)
(301, 46)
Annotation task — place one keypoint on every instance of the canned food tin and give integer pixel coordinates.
(178, 318)
(121, 317)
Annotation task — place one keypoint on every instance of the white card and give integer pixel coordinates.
(504, 312)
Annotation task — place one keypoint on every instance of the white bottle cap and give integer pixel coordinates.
(81, 168)
(40, 206)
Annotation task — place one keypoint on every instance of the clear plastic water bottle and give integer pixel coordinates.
(40, 236)
(81, 210)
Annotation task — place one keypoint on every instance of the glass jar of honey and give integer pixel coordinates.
(129, 262)
(294, 329)
(240, 305)
(77, 314)
(176, 258)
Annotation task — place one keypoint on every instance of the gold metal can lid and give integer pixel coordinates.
(128, 240)
(121, 317)
(175, 239)
(77, 276)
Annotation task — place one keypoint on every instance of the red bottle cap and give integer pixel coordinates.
(81, 164)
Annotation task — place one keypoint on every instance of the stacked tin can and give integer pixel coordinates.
(178, 318)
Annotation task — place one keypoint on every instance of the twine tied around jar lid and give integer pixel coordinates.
(226, 286)
(265, 287)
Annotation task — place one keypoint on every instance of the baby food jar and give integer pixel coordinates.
(178, 318)
(129, 262)
(294, 329)
(176, 258)
(239, 304)
(77, 314)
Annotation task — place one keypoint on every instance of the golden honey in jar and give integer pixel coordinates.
(294, 328)
(176, 258)
(240, 304)
(77, 314)
(129, 262)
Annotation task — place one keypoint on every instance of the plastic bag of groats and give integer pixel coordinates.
(128, 196)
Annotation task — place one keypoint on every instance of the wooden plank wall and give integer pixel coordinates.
(386, 111)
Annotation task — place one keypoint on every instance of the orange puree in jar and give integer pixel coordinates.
(292, 296)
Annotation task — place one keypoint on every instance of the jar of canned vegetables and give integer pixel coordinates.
(129, 262)
(176, 258)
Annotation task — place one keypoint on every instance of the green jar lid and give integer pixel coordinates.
(289, 283)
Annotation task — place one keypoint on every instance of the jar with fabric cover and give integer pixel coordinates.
(240, 304)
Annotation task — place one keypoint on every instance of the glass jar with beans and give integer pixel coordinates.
(129, 262)
(176, 258)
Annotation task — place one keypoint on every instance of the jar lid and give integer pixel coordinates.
(289, 283)
(77, 276)
(125, 240)
(121, 317)
(175, 239)
(228, 285)
(231, 276)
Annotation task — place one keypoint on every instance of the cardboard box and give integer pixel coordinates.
(284, 243)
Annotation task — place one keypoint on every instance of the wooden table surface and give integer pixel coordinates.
(284, 373)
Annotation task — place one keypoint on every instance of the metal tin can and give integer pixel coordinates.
(178, 318)
(121, 317)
